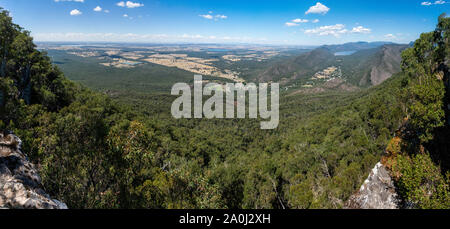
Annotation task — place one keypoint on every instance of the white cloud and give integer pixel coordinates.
(129, 4)
(390, 36)
(298, 20)
(361, 29)
(221, 16)
(207, 16)
(134, 4)
(215, 17)
(191, 36)
(290, 24)
(98, 9)
(439, 2)
(319, 8)
(75, 12)
(315, 21)
(337, 30)
(334, 30)
(125, 15)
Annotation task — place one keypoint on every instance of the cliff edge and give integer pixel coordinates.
(20, 183)
(377, 192)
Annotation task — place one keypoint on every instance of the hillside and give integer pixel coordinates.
(366, 64)
(302, 66)
(383, 64)
(372, 66)
(355, 46)
(417, 158)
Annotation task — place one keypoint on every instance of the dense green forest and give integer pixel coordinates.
(94, 151)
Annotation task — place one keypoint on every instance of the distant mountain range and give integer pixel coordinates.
(362, 63)
(356, 46)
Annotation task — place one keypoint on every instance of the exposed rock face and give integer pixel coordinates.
(382, 65)
(389, 63)
(20, 184)
(377, 192)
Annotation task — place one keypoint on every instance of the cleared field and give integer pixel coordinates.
(193, 64)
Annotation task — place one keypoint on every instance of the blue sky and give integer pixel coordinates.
(292, 22)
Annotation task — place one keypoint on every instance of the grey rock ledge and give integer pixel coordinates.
(377, 192)
(20, 183)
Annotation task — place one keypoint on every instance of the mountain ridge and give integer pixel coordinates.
(368, 66)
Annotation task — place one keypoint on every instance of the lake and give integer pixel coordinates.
(218, 50)
(345, 53)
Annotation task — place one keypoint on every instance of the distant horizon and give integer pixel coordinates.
(206, 44)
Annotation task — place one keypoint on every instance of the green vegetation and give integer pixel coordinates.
(142, 79)
(95, 151)
(422, 161)
(366, 67)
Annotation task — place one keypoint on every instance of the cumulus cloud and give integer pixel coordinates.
(361, 29)
(207, 16)
(296, 22)
(334, 30)
(319, 8)
(390, 36)
(75, 12)
(290, 24)
(213, 17)
(221, 16)
(439, 2)
(100, 9)
(337, 30)
(129, 4)
(192, 36)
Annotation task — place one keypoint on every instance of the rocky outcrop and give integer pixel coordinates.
(389, 63)
(20, 183)
(377, 192)
(381, 65)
